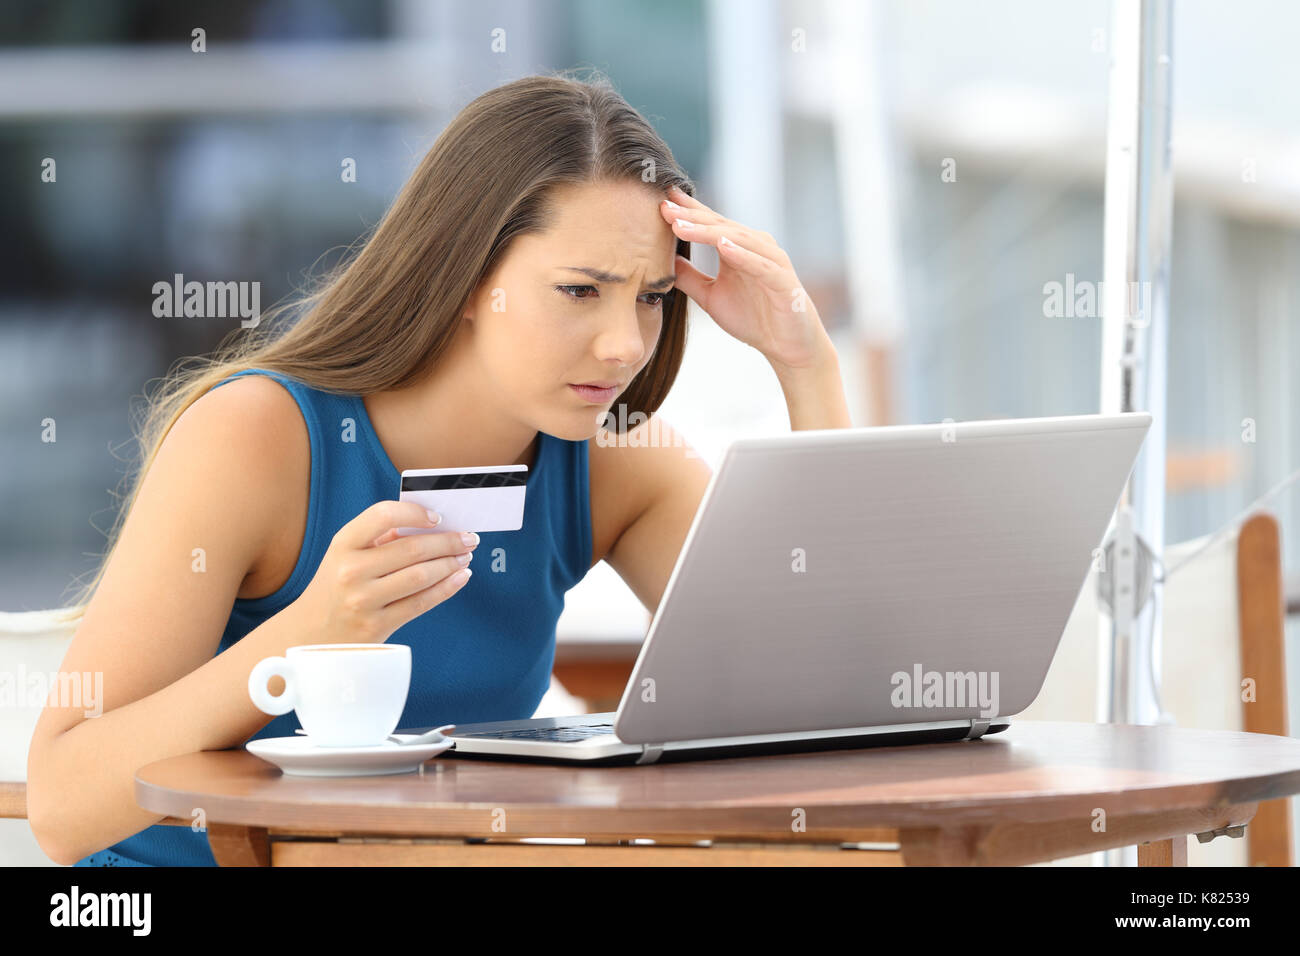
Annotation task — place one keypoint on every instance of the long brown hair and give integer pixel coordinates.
(384, 318)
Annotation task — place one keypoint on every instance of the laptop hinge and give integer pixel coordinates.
(650, 753)
(978, 727)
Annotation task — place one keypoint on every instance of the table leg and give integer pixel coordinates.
(1171, 852)
(234, 845)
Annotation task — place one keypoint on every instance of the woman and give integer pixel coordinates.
(534, 250)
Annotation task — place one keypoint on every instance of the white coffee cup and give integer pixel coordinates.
(345, 695)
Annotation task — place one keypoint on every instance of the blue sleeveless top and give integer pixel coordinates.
(484, 654)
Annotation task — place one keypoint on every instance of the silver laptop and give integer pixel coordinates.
(860, 587)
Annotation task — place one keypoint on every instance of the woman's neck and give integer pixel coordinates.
(439, 423)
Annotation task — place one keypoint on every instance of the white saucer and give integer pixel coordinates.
(298, 756)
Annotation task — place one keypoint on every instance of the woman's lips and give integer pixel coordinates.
(597, 396)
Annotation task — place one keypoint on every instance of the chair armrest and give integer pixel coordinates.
(13, 800)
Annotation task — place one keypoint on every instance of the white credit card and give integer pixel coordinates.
(488, 498)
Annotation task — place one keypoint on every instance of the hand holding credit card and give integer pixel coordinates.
(487, 498)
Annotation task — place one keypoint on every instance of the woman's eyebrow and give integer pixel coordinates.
(601, 276)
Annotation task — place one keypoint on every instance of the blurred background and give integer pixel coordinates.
(929, 166)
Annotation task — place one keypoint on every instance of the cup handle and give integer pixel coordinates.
(263, 671)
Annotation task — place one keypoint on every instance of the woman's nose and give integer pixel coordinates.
(624, 341)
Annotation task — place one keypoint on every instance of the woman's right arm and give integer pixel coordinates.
(210, 503)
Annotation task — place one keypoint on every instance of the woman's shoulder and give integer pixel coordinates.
(274, 438)
(264, 403)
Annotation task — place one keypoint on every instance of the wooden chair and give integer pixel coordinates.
(1223, 621)
(31, 643)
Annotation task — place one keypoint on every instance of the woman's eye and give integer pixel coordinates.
(571, 292)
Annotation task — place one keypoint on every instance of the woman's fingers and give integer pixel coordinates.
(413, 549)
(435, 572)
(749, 251)
(693, 282)
(741, 252)
(751, 262)
(692, 228)
(683, 198)
(377, 520)
(692, 210)
(404, 609)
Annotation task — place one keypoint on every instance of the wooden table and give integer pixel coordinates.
(1038, 791)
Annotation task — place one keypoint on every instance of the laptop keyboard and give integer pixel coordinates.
(562, 735)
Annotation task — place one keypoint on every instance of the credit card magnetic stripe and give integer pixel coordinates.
(487, 479)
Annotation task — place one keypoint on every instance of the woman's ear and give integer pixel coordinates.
(467, 314)
(472, 303)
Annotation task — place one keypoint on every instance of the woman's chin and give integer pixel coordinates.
(577, 427)
(571, 418)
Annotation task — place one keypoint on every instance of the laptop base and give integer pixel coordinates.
(807, 745)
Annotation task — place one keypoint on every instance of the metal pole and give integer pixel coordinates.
(1138, 210)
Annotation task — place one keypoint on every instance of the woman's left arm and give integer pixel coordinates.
(757, 298)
